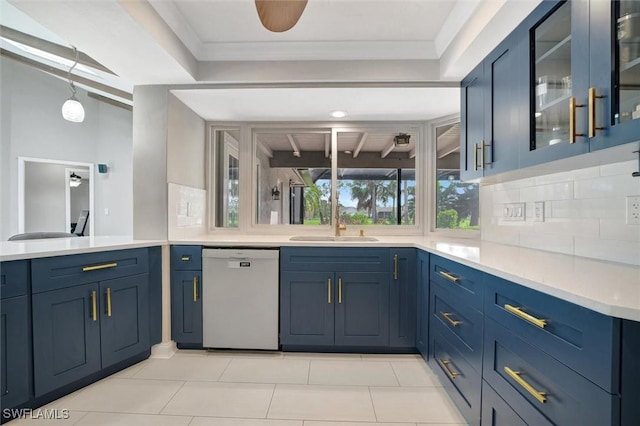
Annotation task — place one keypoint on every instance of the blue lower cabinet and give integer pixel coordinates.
(361, 309)
(186, 307)
(66, 336)
(630, 374)
(496, 412)
(402, 298)
(307, 308)
(461, 381)
(525, 377)
(15, 357)
(124, 323)
(422, 314)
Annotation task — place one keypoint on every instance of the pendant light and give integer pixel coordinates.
(72, 109)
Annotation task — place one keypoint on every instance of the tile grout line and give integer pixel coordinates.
(372, 403)
(172, 396)
(273, 392)
(309, 372)
(79, 418)
(395, 374)
(226, 367)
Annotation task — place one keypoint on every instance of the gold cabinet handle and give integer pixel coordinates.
(94, 306)
(448, 276)
(525, 316)
(447, 316)
(445, 364)
(592, 112)
(328, 290)
(482, 148)
(395, 266)
(185, 258)
(108, 301)
(515, 375)
(339, 290)
(96, 267)
(572, 120)
(195, 289)
(475, 157)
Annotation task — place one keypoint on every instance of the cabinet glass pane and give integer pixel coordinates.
(551, 52)
(628, 61)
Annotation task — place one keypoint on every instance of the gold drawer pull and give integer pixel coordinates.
(328, 290)
(94, 306)
(525, 316)
(185, 258)
(515, 375)
(108, 301)
(96, 267)
(339, 290)
(395, 266)
(592, 112)
(195, 289)
(447, 316)
(448, 276)
(445, 365)
(572, 120)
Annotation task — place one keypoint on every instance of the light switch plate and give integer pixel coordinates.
(538, 211)
(514, 212)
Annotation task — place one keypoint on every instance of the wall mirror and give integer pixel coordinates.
(52, 195)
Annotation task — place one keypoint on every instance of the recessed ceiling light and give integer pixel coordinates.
(338, 114)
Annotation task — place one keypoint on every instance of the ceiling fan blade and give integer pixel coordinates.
(280, 15)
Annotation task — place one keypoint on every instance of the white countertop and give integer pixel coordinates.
(606, 287)
(29, 249)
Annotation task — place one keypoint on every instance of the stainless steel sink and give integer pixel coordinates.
(328, 238)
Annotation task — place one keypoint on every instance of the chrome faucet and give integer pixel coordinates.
(339, 226)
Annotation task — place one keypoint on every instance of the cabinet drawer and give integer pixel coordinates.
(523, 375)
(460, 379)
(464, 282)
(14, 277)
(53, 273)
(461, 320)
(585, 340)
(186, 258)
(496, 412)
(343, 259)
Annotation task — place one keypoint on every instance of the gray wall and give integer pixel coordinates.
(185, 145)
(32, 126)
(44, 197)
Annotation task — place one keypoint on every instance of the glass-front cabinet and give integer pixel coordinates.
(584, 78)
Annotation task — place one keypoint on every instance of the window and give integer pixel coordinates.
(457, 202)
(226, 178)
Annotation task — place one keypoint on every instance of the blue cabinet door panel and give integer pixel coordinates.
(14, 278)
(53, 273)
(422, 327)
(463, 321)
(472, 120)
(362, 309)
(464, 282)
(124, 326)
(66, 338)
(570, 398)
(15, 356)
(307, 301)
(186, 307)
(630, 373)
(345, 259)
(402, 306)
(460, 379)
(585, 340)
(186, 258)
(496, 412)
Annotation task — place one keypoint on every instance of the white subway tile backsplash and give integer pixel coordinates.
(585, 213)
(611, 250)
(607, 186)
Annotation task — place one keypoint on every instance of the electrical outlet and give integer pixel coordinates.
(633, 210)
(538, 211)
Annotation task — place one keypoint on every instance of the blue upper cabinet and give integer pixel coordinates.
(472, 94)
(614, 77)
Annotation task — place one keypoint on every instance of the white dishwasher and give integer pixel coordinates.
(240, 298)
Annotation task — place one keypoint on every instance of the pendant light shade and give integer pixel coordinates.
(72, 109)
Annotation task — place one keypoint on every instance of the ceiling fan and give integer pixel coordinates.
(280, 15)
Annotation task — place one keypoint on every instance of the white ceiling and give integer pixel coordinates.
(399, 49)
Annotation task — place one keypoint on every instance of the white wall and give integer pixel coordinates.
(32, 126)
(185, 145)
(44, 198)
(585, 213)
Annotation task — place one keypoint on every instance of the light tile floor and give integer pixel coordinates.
(221, 388)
